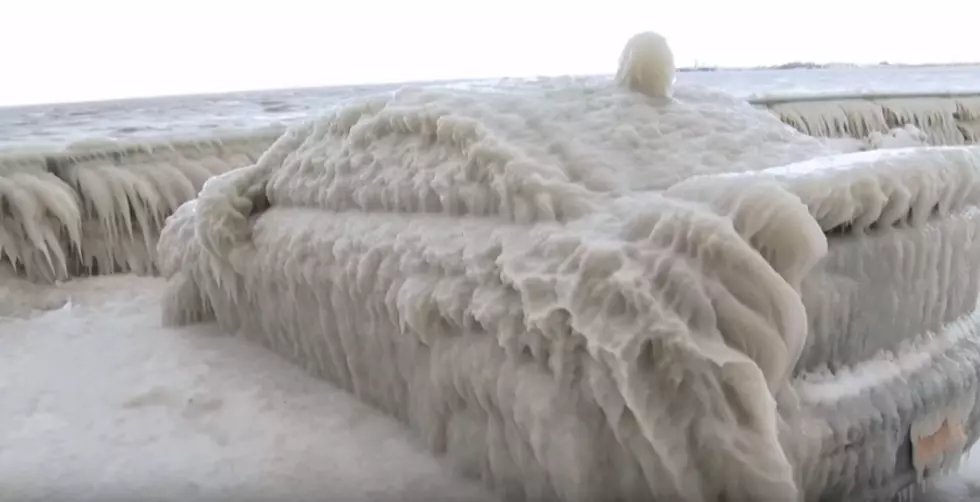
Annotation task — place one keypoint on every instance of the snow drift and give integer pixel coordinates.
(582, 292)
(99, 207)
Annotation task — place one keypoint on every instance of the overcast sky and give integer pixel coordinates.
(78, 50)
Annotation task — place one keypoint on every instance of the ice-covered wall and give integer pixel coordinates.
(944, 119)
(98, 207)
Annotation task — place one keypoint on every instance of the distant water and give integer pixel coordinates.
(54, 126)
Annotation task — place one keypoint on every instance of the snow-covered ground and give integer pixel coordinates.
(99, 402)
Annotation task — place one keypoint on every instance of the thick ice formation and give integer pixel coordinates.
(480, 324)
(148, 180)
(35, 206)
(891, 218)
(577, 290)
(900, 137)
(581, 291)
(944, 119)
(647, 65)
(100, 207)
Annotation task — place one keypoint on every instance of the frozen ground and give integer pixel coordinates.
(99, 402)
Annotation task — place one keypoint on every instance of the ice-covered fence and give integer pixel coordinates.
(945, 118)
(98, 207)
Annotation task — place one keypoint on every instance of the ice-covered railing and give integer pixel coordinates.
(945, 118)
(98, 207)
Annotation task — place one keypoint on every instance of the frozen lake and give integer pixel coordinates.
(58, 125)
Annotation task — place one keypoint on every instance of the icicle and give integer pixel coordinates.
(945, 120)
(98, 206)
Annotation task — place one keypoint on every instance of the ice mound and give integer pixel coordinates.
(99, 207)
(900, 137)
(578, 290)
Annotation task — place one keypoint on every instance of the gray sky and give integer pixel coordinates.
(73, 50)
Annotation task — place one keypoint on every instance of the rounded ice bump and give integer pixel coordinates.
(647, 65)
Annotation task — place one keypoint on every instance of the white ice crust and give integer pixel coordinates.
(576, 289)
